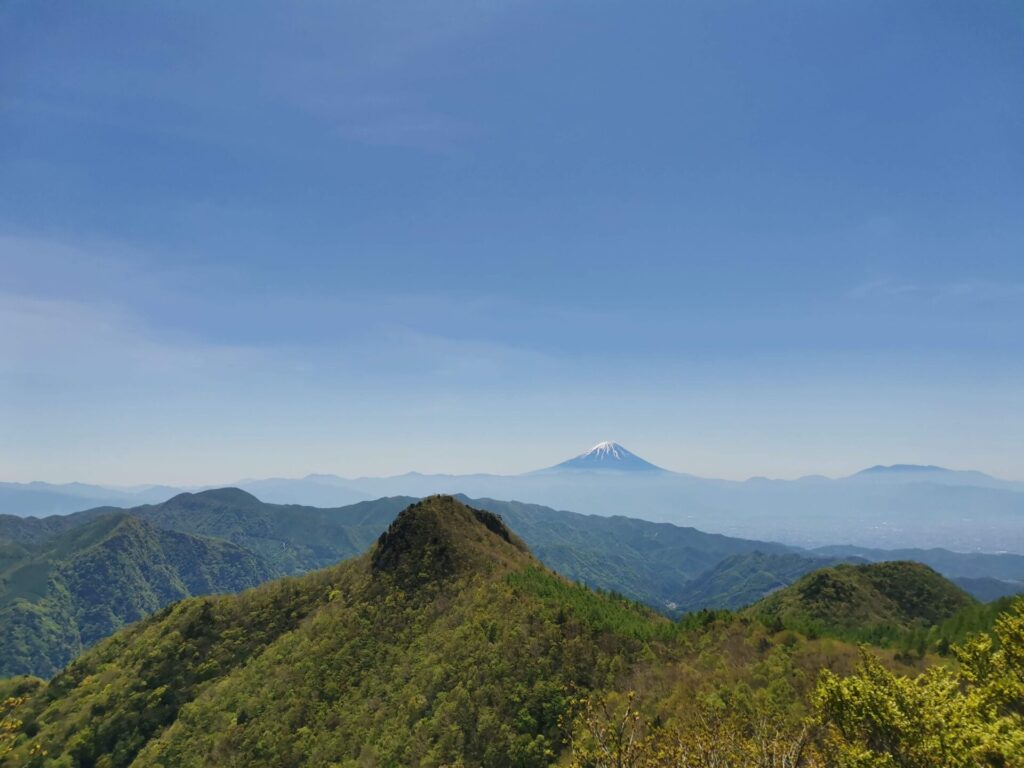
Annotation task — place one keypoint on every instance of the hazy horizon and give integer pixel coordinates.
(223, 482)
(740, 239)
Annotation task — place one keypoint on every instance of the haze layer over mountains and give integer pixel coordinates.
(882, 506)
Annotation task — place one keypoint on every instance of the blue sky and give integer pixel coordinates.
(741, 238)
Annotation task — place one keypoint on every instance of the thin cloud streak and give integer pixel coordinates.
(966, 290)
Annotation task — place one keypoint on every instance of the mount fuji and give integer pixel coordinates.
(606, 456)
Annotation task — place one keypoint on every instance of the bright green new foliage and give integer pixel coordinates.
(961, 717)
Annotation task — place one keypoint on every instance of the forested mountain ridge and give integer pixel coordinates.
(668, 567)
(745, 578)
(642, 560)
(440, 644)
(871, 602)
(62, 594)
(645, 561)
(293, 538)
(650, 562)
(1003, 566)
(290, 538)
(447, 643)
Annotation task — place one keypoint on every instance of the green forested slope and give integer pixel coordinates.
(645, 561)
(875, 602)
(448, 644)
(430, 650)
(669, 567)
(64, 594)
(742, 579)
(292, 538)
(649, 562)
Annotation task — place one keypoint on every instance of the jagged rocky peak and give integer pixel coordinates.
(440, 536)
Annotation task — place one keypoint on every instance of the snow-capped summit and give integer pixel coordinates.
(607, 449)
(608, 456)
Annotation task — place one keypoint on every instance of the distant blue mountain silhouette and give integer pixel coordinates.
(608, 456)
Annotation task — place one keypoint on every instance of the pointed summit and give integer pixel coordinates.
(608, 455)
(440, 536)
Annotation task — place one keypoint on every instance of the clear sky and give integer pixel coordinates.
(741, 238)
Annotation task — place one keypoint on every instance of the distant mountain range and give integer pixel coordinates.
(883, 506)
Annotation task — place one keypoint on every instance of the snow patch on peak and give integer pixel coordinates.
(607, 450)
(607, 455)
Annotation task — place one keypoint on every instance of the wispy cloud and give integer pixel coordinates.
(45, 337)
(964, 290)
(74, 345)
